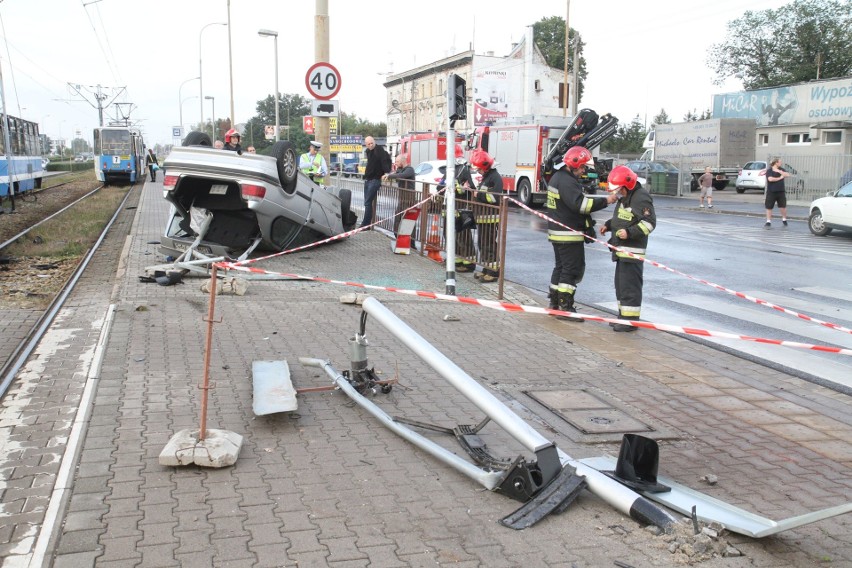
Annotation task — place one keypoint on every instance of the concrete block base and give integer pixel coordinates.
(219, 448)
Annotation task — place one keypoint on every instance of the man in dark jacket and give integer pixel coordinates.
(632, 221)
(378, 164)
(404, 176)
(567, 204)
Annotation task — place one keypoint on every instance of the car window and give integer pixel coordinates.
(845, 191)
(755, 166)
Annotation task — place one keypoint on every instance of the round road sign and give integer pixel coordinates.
(323, 81)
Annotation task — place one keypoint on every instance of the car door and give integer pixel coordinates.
(837, 211)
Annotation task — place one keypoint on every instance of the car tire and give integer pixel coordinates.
(525, 192)
(196, 138)
(740, 190)
(285, 159)
(349, 219)
(817, 225)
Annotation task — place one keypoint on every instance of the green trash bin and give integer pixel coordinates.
(663, 183)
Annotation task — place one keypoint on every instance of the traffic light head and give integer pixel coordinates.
(457, 97)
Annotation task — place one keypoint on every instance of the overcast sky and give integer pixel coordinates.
(641, 56)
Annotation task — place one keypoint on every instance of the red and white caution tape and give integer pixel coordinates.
(752, 299)
(516, 308)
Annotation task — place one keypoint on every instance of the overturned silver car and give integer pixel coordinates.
(229, 204)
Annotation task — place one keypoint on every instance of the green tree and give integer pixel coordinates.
(549, 36)
(803, 41)
(692, 115)
(627, 139)
(661, 118)
(291, 110)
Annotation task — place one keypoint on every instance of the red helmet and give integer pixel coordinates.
(576, 157)
(230, 134)
(460, 159)
(621, 176)
(481, 160)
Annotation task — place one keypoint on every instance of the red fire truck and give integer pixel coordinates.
(424, 146)
(525, 153)
(519, 151)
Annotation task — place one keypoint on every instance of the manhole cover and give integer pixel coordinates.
(602, 421)
(588, 413)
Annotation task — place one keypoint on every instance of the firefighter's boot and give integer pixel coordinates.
(553, 299)
(624, 327)
(566, 304)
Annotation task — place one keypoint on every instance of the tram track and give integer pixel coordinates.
(16, 356)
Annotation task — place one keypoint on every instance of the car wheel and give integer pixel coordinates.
(817, 225)
(349, 218)
(740, 190)
(285, 158)
(196, 138)
(525, 192)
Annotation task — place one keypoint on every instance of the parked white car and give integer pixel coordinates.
(752, 176)
(831, 212)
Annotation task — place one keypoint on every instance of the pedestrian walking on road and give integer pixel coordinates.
(378, 164)
(568, 206)
(632, 221)
(775, 192)
(705, 183)
(152, 161)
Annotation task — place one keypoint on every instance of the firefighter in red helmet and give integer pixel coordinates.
(632, 221)
(232, 141)
(570, 212)
(464, 221)
(487, 222)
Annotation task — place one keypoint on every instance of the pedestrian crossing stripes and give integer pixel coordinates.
(777, 236)
(734, 316)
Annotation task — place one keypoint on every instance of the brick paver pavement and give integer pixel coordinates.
(328, 485)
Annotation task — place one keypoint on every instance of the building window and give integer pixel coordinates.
(764, 139)
(797, 139)
(832, 137)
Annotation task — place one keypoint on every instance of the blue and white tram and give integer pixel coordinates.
(119, 154)
(25, 170)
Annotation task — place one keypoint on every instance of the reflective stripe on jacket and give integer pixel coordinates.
(634, 213)
(567, 204)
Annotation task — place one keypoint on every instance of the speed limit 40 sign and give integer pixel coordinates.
(323, 81)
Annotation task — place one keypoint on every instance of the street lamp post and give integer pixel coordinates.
(181, 99)
(274, 36)
(213, 120)
(200, 80)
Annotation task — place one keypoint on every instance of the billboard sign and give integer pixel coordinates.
(806, 103)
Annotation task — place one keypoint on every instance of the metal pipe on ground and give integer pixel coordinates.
(622, 498)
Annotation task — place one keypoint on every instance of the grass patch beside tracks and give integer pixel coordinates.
(41, 261)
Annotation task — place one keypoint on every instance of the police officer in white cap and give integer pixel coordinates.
(312, 163)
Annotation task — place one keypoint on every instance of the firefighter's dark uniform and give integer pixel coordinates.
(487, 222)
(465, 251)
(635, 213)
(567, 204)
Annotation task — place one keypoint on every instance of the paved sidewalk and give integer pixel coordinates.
(328, 485)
